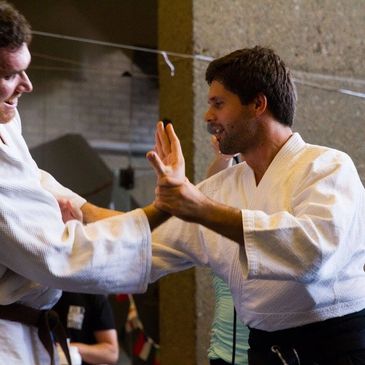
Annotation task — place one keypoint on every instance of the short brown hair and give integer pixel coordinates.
(14, 28)
(250, 71)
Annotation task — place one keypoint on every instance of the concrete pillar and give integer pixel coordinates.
(177, 292)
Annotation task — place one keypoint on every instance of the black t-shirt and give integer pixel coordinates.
(83, 314)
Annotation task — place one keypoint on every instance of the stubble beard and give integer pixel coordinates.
(228, 145)
(6, 116)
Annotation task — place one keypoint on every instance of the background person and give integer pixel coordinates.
(227, 335)
(89, 323)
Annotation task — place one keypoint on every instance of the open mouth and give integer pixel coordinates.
(214, 129)
(11, 102)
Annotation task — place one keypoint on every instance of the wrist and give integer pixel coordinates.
(203, 210)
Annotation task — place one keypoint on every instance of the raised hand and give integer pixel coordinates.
(167, 159)
(174, 193)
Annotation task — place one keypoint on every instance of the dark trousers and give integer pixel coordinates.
(355, 358)
(336, 341)
(219, 362)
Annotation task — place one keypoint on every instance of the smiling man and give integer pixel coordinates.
(39, 253)
(14, 60)
(285, 228)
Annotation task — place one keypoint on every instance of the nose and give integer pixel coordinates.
(25, 85)
(209, 115)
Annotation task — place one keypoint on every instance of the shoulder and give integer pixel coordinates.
(327, 167)
(321, 158)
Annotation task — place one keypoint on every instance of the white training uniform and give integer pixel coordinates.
(39, 253)
(304, 233)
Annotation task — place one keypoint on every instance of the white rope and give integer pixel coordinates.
(168, 62)
(275, 349)
(328, 88)
(205, 58)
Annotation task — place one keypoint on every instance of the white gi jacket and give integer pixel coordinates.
(39, 253)
(304, 232)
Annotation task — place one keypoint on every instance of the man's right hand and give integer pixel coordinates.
(174, 193)
(167, 159)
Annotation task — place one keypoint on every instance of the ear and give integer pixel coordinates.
(260, 104)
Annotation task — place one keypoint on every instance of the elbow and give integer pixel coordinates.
(113, 355)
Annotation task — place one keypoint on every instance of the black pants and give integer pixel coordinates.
(355, 358)
(336, 341)
(219, 362)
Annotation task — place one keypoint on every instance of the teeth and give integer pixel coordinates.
(11, 101)
(214, 129)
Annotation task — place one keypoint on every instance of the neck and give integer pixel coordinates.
(272, 141)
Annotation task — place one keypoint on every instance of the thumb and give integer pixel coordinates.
(156, 163)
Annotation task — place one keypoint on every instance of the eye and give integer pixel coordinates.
(9, 77)
(218, 104)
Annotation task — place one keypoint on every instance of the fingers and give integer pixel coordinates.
(62, 202)
(215, 144)
(158, 143)
(163, 139)
(175, 142)
(156, 163)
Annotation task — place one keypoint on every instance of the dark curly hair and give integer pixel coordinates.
(250, 71)
(14, 28)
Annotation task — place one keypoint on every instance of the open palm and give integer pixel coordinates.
(167, 158)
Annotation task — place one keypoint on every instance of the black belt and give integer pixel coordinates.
(47, 322)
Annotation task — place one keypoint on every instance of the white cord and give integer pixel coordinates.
(168, 62)
(208, 59)
(275, 349)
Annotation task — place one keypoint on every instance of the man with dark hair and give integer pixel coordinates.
(285, 228)
(248, 72)
(41, 254)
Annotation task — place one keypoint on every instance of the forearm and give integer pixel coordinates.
(101, 353)
(155, 216)
(92, 213)
(220, 218)
(187, 202)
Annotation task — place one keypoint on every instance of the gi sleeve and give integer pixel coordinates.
(321, 232)
(176, 246)
(111, 255)
(49, 183)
